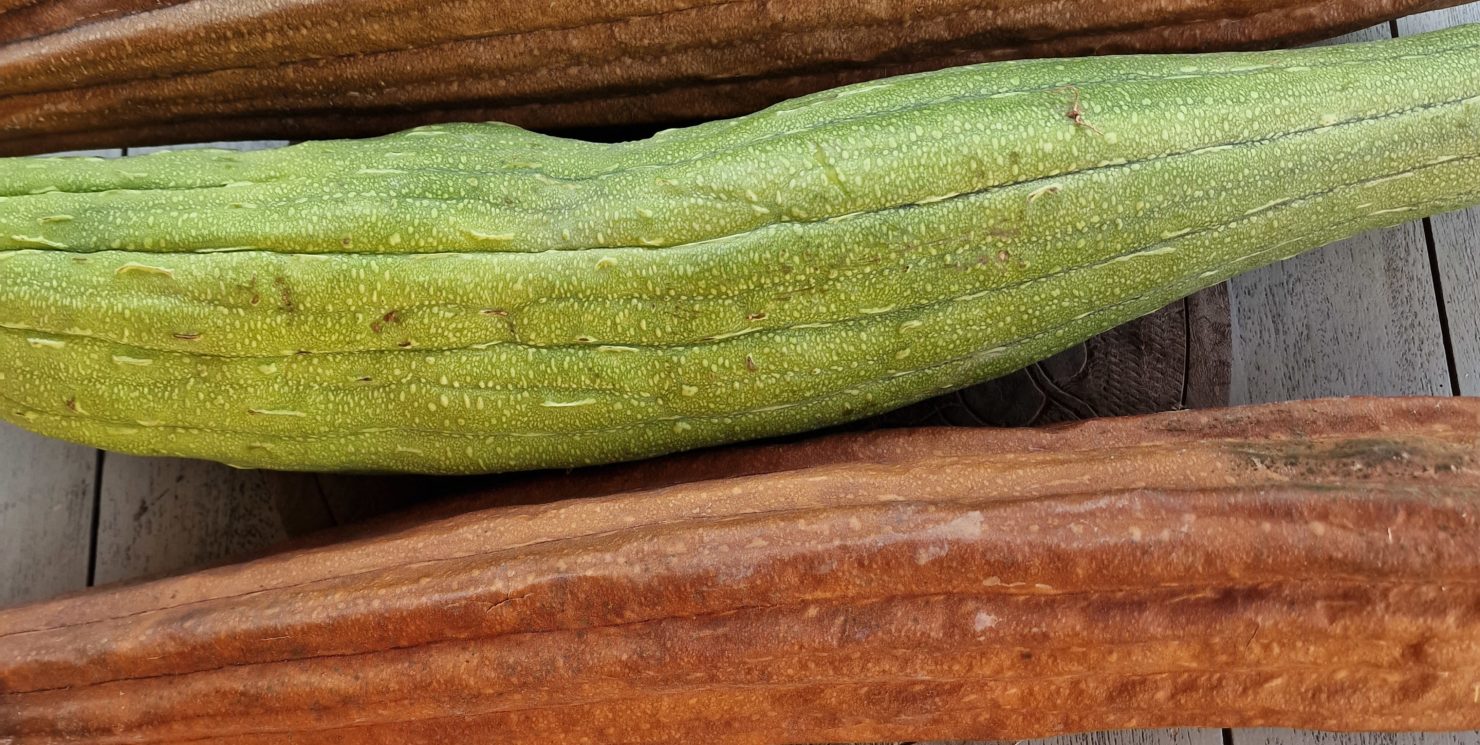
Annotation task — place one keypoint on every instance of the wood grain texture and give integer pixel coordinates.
(1313, 564)
(1187, 736)
(1457, 253)
(46, 508)
(1457, 240)
(165, 515)
(1355, 318)
(244, 69)
(162, 516)
(1294, 737)
(46, 504)
(1359, 317)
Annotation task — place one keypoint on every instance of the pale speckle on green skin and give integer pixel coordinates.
(477, 298)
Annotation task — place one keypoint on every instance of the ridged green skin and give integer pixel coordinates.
(477, 298)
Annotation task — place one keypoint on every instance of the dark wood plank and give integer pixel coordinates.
(1457, 241)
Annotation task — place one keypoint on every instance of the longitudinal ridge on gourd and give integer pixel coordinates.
(476, 297)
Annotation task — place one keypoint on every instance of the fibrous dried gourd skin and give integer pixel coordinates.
(1309, 564)
(81, 74)
(477, 298)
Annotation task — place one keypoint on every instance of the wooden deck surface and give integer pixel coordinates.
(1392, 312)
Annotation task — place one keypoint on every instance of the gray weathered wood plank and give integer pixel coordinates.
(1129, 737)
(1457, 240)
(1300, 737)
(1457, 254)
(1357, 317)
(46, 508)
(164, 515)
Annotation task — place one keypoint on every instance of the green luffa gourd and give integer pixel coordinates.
(474, 298)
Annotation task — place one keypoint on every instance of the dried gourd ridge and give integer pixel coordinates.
(73, 77)
(473, 298)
